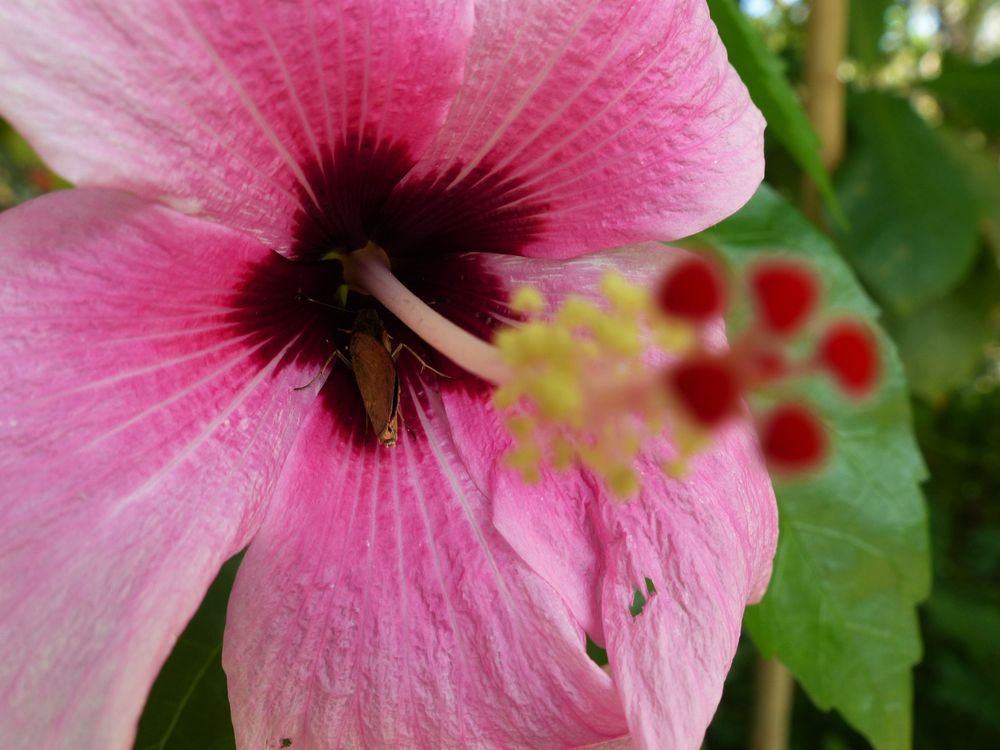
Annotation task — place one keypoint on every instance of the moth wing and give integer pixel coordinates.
(375, 374)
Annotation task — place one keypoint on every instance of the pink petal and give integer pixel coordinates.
(707, 543)
(144, 421)
(550, 525)
(226, 110)
(621, 743)
(609, 121)
(378, 607)
(558, 539)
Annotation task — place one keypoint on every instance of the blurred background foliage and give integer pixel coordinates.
(915, 208)
(919, 193)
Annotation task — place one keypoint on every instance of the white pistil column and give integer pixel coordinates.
(368, 271)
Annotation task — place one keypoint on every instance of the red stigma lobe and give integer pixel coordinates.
(785, 294)
(692, 290)
(792, 438)
(849, 353)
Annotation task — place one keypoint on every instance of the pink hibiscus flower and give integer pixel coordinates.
(158, 332)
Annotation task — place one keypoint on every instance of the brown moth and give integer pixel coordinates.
(374, 366)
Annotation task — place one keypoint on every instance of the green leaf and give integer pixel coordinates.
(964, 674)
(983, 172)
(764, 75)
(910, 208)
(943, 344)
(853, 556)
(866, 26)
(22, 174)
(968, 92)
(971, 621)
(188, 705)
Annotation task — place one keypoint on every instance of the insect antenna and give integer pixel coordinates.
(318, 375)
(421, 360)
(301, 296)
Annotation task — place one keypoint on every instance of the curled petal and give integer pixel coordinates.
(698, 550)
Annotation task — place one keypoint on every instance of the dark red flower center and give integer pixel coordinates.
(365, 191)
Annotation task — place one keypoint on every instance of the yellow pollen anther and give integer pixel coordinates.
(676, 468)
(623, 481)
(628, 298)
(520, 426)
(527, 299)
(526, 459)
(582, 390)
(578, 312)
(557, 396)
(679, 339)
(619, 336)
(562, 453)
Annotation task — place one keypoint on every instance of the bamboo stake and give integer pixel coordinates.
(826, 37)
(774, 690)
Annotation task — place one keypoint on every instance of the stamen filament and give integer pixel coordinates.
(367, 270)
